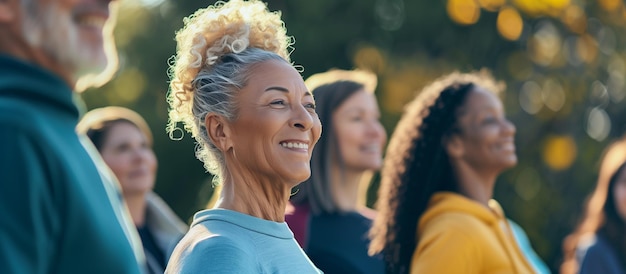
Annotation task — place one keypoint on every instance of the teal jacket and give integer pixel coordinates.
(55, 214)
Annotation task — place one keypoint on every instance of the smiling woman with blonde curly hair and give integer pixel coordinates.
(254, 120)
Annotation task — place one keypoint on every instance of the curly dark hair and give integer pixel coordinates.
(417, 165)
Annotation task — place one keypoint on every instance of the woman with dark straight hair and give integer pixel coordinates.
(598, 245)
(327, 212)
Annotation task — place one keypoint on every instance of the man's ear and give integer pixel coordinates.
(219, 131)
(454, 146)
(8, 10)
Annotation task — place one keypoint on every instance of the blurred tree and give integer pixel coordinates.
(564, 62)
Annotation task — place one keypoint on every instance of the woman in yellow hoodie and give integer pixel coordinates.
(436, 212)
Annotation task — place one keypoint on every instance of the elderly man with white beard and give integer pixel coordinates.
(59, 213)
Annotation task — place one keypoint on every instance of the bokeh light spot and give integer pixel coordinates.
(599, 96)
(530, 97)
(559, 152)
(615, 86)
(510, 24)
(491, 5)
(390, 14)
(610, 5)
(598, 124)
(544, 44)
(575, 19)
(553, 95)
(587, 48)
(542, 7)
(464, 12)
(370, 58)
(607, 40)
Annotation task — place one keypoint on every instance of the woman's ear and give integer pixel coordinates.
(454, 146)
(219, 131)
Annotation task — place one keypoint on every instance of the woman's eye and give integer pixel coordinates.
(310, 106)
(278, 103)
(490, 120)
(356, 118)
(122, 148)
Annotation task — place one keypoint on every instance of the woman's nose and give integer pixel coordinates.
(509, 127)
(302, 118)
(376, 129)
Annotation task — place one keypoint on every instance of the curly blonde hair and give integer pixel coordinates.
(215, 50)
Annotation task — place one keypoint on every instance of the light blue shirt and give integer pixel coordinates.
(226, 241)
(527, 249)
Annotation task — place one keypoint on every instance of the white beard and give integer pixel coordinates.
(56, 33)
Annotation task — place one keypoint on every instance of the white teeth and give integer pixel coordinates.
(295, 145)
(371, 148)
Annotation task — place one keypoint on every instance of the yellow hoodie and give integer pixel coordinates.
(459, 235)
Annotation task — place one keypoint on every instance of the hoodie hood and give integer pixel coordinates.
(446, 202)
(494, 240)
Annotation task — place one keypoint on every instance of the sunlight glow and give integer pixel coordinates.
(553, 95)
(575, 19)
(491, 5)
(598, 96)
(530, 97)
(544, 44)
(598, 124)
(542, 7)
(464, 12)
(610, 5)
(559, 152)
(510, 24)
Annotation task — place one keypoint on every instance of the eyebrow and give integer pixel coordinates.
(282, 89)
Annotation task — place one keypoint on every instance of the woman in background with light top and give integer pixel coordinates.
(124, 140)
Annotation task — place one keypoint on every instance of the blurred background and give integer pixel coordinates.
(564, 62)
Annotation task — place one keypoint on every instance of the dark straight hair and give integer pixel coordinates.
(316, 191)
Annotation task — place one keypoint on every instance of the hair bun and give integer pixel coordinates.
(231, 27)
(210, 33)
